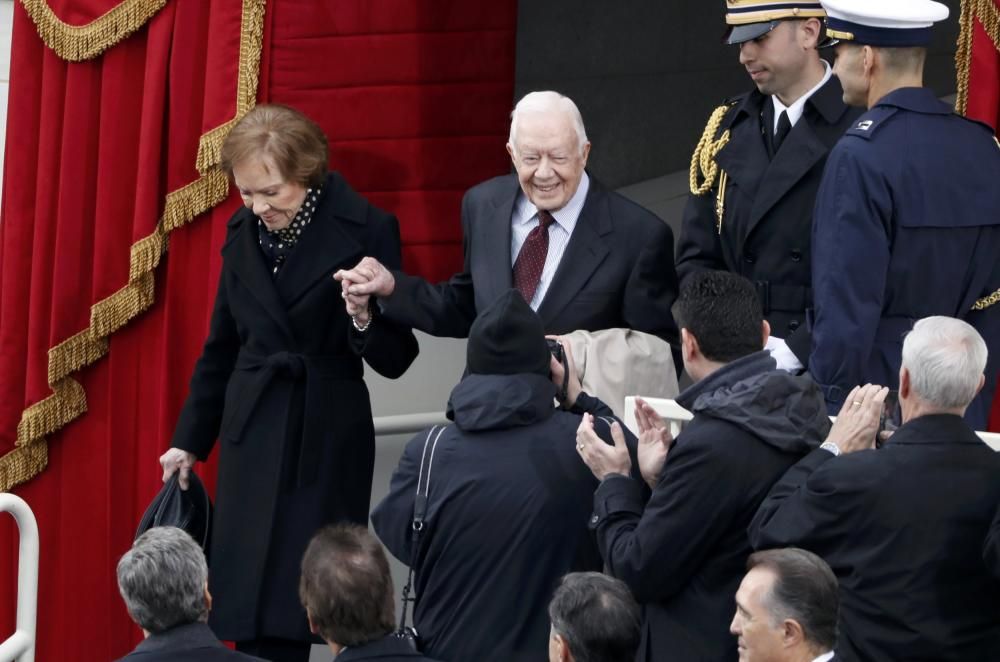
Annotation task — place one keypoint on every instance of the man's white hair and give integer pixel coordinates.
(547, 102)
(945, 358)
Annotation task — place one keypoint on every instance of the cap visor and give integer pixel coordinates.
(737, 34)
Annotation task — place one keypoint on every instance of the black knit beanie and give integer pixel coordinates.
(508, 338)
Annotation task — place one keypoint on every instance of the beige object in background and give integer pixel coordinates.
(614, 363)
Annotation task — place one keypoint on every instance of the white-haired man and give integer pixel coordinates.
(582, 257)
(903, 526)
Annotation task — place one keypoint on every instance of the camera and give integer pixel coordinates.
(557, 350)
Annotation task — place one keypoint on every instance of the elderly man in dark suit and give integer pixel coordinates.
(582, 257)
(164, 582)
(903, 526)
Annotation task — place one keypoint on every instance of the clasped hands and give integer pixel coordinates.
(368, 278)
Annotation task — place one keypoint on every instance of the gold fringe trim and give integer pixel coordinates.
(68, 399)
(988, 14)
(987, 301)
(703, 159)
(83, 42)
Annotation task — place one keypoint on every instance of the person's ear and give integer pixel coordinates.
(510, 150)
(904, 383)
(689, 345)
(982, 382)
(312, 626)
(208, 598)
(792, 634)
(765, 332)
(809, 33)
(868, 60)
(562, 649)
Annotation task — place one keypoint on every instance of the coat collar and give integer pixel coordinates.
(191, 635)
(936, 429)
(917, 99)
(325, 245)
(387, 646)
(802, 149)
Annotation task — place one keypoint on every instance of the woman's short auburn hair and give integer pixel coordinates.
(293, 142)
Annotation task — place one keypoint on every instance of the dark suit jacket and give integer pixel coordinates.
(280, 383)
(387, 649)
(903, 529)
(767, 223)
(617, 271)
(193, 643)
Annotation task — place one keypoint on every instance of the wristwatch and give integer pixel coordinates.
(830, 446)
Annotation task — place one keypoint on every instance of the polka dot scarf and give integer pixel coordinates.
(278, 244)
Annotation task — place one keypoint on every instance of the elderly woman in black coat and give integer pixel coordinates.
(279, 381)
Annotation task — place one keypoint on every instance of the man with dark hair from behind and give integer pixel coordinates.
(346, 590)
(786, 608)
(682, 551)
(163, 580)
(594, 619)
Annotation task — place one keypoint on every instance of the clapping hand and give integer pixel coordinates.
(857, 423)
(602, 458)
(654, 442)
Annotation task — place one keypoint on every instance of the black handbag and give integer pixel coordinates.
(189, 509)
(417, 526)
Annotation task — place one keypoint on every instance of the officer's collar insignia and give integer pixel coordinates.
(864, 125)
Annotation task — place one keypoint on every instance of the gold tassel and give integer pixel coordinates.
(76, 43)
(703, 159)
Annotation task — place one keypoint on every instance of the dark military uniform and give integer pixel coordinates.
(767, 204)
(907, 226)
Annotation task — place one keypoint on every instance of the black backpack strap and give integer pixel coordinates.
(419, 513)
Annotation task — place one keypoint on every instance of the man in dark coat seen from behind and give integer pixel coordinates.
(346, 590)
(904, 526)
(508, 498)
(163, 580)
(682, 551)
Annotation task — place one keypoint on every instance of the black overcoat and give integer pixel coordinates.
(903, 528)
(768, 207)
(280, 383)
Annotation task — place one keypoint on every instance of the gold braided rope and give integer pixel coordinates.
(987, 301)
(83, 42)
(987, 12)
(703, 159)
(68, 399)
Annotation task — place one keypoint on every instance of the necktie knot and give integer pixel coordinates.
(781, 131)
(545, 218)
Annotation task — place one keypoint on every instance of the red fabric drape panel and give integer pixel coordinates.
(414, 96)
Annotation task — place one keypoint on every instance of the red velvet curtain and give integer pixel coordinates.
(110, 155)
(977, 63)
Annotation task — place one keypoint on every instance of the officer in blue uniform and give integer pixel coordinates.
(758, 165)
(907, 221)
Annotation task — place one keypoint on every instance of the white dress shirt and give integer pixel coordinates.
(795, 110)
(525, 219)
(825, 657)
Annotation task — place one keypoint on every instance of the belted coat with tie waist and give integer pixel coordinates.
(279, 382)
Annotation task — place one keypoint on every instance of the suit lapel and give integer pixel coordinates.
(744, 158)
(807, 143)
(585, 251)
(244, 256)
(326, 244)
(496, 236)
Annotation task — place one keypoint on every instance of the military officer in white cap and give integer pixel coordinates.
(907, 221)
(756, 170)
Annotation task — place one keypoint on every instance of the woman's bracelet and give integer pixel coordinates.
(361, 328)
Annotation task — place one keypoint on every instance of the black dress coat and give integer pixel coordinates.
(617, 270)
(280, 383)
(903, 529)
(387, 649)
(767, 222)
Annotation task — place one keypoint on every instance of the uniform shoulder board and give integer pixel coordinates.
(869, 123)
